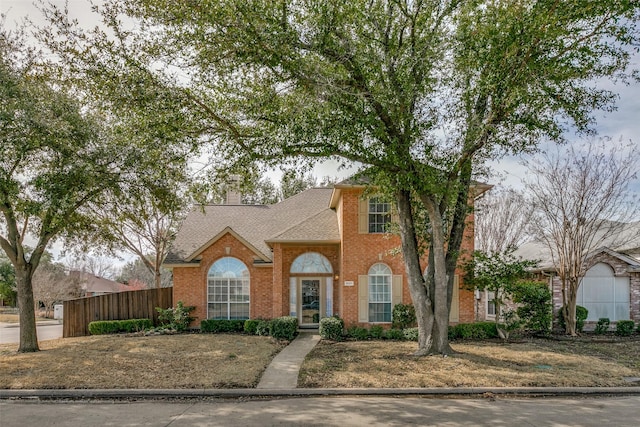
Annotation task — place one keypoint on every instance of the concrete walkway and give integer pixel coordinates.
(282, 372)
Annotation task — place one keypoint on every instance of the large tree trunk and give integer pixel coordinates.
(432, 312)
(441, 284)
(28, 334)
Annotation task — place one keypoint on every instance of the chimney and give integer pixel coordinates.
(233, 190)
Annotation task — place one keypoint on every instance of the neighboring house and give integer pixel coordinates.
(93, 285)
(611, 285)
(320, 253)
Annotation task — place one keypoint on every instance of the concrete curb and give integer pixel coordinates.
(150, 394)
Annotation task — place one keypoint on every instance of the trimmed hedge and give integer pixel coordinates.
(331, 328)
(264, 328)
(284, 328)
(477, 331)
(251, 326)
(102, 327)
(358, 333)
(394, 334)
(624, 328)
(411, 334)
(218, 326)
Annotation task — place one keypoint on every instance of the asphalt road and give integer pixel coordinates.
(329, 411)
(11, 334)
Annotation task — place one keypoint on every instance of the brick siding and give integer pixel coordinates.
(269, 285)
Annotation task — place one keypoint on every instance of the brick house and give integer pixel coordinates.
(611, 285)
(320, 253)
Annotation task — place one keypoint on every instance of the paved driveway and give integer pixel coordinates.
(10, 333)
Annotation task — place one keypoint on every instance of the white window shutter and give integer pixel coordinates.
(396, 290)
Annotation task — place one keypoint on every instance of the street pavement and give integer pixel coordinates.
(329, 411)
(10, 333)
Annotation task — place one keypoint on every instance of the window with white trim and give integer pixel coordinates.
(228, 290)
(380, 280)
(604, 294)
(379, 215)
(490, 298)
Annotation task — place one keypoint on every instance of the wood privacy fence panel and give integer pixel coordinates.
(78, 313)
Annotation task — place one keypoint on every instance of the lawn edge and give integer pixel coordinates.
(164, 394)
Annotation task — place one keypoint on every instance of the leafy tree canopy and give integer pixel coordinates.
(420, 91)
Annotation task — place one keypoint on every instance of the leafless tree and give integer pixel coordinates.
(51, 284)
(581, 200)
(141, 225)
(98, 265)
(502, 220)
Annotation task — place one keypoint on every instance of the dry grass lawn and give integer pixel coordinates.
(534, 363)
(14, 318)
(118, 361)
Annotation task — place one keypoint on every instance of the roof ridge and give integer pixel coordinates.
(299, 223)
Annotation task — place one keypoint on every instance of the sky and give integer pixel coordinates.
(622, 124)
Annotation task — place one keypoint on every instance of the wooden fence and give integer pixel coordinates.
(78, 313)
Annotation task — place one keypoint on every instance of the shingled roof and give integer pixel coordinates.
(305, 217)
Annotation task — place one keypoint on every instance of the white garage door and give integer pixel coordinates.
(603, 294)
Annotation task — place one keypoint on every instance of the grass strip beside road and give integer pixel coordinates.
(532, 363)
(121, 361)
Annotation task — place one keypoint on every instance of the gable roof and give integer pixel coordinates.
(303, 217)
(624, 244)
(362, 180)
(96, 284)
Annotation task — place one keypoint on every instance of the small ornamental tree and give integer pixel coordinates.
(499, 273)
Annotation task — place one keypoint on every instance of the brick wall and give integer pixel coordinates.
(269, 286)
(286, 254)
(360, 251)
(190, 283)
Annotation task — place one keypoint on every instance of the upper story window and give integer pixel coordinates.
(379, 215)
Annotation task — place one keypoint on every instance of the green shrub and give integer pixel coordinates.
(394, 334)
(264, 328)
(251, 326)
(403, 316)
(221, 326)
(284, 328)
(410, 334)
(376, 332)
(358, 333)
(535, 308)
(101, 327)
(478, 330)
(624, 328)
(331, 328)
(602, 326)
(581, 315)
(175, 317)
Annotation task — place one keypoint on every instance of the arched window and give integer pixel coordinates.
(604, 294)
(379, 293)
(228, 290)
(311, 262)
